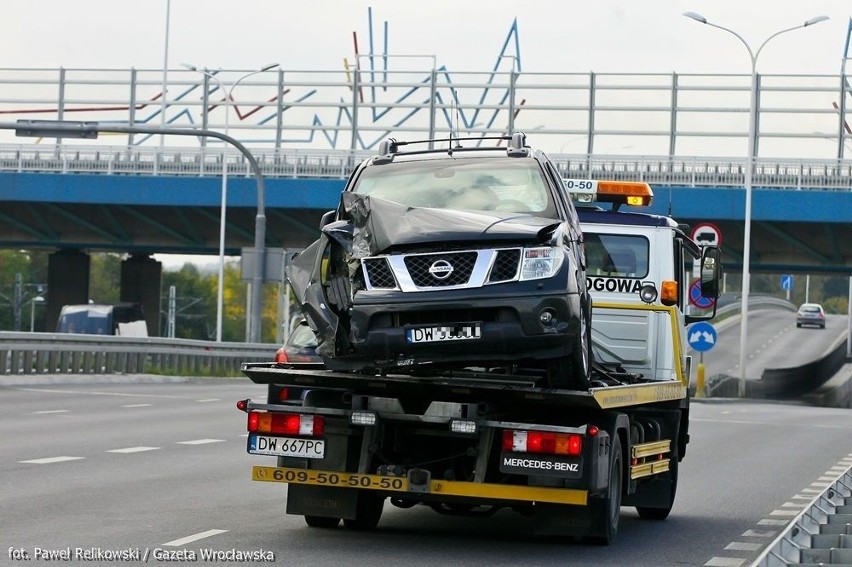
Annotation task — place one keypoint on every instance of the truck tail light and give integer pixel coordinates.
(542, 442)
(286, 423)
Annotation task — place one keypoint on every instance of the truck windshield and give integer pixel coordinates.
(616, 255)
(498, 184)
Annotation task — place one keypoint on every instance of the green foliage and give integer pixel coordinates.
(105, 278)
(837, 305)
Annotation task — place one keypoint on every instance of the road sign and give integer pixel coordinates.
(706, 234)
(701, 336)
(695, 297)
(787, 282)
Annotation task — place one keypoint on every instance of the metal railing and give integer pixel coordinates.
(809, 174)
(62, 353)
(683, 114)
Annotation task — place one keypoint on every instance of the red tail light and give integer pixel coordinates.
(281, 355)
(542, 442)
(286, 423)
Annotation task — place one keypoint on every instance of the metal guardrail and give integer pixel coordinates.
(820, 535)
(338, 164)
(60, 353)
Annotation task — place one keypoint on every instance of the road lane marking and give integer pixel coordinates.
(48, 460)
(194, 537)
(759, 533)
(789, 513)
(725, 562)
(200, 441)
(137, 405)
(770, 522)
(742, 546)
(43, 412)
(205, 400)
(132, 450)
(118, 394)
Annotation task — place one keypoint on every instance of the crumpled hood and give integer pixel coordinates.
(380, 224)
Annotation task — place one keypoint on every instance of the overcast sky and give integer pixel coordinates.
(465, 35)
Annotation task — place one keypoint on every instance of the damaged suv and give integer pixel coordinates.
(451, 259)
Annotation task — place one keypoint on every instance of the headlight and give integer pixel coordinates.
(540, 263)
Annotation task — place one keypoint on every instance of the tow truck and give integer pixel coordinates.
(474, 441)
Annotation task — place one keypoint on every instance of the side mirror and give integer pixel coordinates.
(327, 217)
(711, 271)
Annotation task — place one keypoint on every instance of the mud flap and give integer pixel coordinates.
(322, 501)
(561, 520)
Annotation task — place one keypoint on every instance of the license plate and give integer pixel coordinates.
(441, 333)
(286, 446)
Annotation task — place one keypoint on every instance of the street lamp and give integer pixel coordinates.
(228, 102)
(33, 301)
(90, 130)
(752, 137)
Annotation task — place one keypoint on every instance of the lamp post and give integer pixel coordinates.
(33, 301)
(752, 138)
(228, 102)
(90, 130)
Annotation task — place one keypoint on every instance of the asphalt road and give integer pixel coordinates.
(773, 341)
(162, 469)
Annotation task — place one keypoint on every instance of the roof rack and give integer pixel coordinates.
(390, 147)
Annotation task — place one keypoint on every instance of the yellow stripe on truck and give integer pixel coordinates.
(479, 490)
(620, 396)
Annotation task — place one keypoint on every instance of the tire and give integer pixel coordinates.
(321, 522)
(662, 513)
(606, 511)
(369, 512)
(798, 325)
(573, 372)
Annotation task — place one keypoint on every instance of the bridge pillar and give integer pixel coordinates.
(141, 279)
(67, 282)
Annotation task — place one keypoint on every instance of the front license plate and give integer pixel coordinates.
(286, 446)
(441, 333)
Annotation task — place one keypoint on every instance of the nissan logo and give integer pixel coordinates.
(441, 269)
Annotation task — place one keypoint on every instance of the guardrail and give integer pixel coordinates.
(820, 534)
(59, 353)
(797, 174)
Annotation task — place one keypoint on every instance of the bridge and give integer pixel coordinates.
(151, 193)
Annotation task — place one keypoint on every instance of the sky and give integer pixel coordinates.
(556, 35)
(565, 36)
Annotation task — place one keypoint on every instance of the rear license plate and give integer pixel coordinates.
(441, 333)
(286, 446)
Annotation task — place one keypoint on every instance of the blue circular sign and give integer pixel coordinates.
(701, 336)
(697, 299)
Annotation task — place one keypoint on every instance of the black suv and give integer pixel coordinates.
(467, 257)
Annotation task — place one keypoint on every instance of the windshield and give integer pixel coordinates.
(495, 184)
(616, 255)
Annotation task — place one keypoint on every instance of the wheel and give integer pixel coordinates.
(574, 371)
(321, 522)
(369, 511)
(798, 325)
(662, 513)
(606, 511)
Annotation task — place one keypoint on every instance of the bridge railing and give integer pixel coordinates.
(352, 109)
(61, 353)
(815, 174)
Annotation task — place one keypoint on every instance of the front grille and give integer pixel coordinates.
(419, 266)
(379, 275)
(505, 265)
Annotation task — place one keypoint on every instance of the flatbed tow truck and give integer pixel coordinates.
(473, 442)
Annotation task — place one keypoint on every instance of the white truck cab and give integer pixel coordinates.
(639, 271)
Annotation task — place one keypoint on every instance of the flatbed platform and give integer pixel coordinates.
(463, 386)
